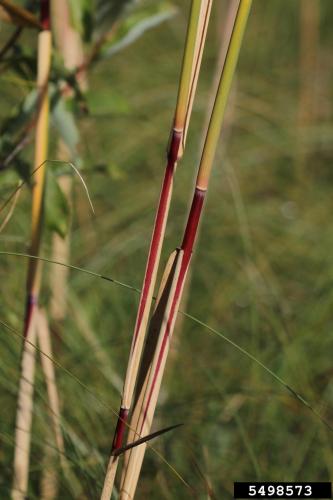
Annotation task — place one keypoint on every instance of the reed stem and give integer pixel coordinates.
(26, 386)
(196, 33)
(167, 305)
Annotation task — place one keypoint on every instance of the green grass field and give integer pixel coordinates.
(262, 272)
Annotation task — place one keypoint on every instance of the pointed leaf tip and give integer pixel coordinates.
(144, 439)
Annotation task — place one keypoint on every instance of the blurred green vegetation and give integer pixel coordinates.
(262, 272)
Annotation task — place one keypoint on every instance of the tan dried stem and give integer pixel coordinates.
(141, 421)
(24, 415)
(44, 340)
(25, 397)
(69, 44)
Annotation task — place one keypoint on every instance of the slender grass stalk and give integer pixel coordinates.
(24, 413)
(225, 37)
(225, 31)
(225, 22)
(26, 387)
(69, 45)
(48, 369)
(202, 27)
(195, 40)
(50, 479)
(167, 305)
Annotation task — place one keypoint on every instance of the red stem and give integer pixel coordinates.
(120, 429)
(193, 221)
(29, 309)
(161, 215)
(45, 18)
(158, 232)
(190, 233)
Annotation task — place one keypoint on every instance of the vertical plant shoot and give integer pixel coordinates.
(195, 40)
(26, 387)
(167, 305)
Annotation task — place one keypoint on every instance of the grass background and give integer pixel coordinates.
(262, 272)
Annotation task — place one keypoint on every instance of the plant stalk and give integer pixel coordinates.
(195, 40)
(167, 306)
(26, 386)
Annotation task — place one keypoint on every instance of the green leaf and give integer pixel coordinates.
(22, 168)
(21, 115)
(135, 24)
(64, 122)
(56, 206)
(81, 12)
